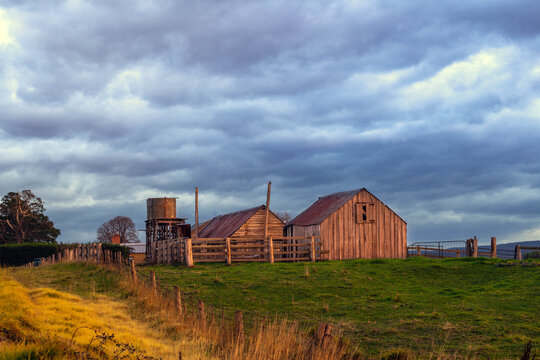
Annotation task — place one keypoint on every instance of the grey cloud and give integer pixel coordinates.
(139, 99)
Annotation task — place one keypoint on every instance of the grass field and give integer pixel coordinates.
(44, 323)
(453, 308)
(466, 306)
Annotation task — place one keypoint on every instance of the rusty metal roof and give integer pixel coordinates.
(225, 225)
(322, 208)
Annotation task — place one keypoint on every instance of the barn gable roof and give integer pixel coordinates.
(225, 225)
(324, 207)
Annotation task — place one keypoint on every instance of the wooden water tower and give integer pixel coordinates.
(162, 223)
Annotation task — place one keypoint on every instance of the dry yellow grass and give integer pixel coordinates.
(48, 318)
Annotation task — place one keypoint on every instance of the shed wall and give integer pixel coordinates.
(254, 227)
(344, 238)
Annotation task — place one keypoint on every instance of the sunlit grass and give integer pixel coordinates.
(61, 323)
(413, 309)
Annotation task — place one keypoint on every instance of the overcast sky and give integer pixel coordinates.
(433, 106)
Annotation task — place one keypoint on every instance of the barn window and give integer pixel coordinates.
(364, 212)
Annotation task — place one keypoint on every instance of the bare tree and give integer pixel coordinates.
(120, 225)
(284, 216)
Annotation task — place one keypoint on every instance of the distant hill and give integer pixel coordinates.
(512, 246)
(504, 251)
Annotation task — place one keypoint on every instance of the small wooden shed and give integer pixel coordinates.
(352, 224)
(247, 223)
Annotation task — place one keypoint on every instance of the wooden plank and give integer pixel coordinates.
(205, 255)
(297, 245)
(293, 259)
(248, 260)
(247, 246)
(236, 253)
(221, 246)
(293, 252)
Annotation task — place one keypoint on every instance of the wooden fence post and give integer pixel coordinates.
(239, 326)
(228, 250)
(323, 334)
(153, 282)
(202, 314)
(418, 252)
(312, 248)
(475, 247)
(493, 247)
(517, 255)
(133, 272)
(178, 301)
(469, 247)
(270, 250)
(189, 253)
(99, 253)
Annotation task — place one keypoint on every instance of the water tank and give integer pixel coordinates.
(161, 208)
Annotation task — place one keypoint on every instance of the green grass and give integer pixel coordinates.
(465, 306)
(470, 308)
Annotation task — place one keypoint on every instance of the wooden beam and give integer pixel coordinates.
(267, 209)
(178, 301)
(271, 251)
(228, 250)
(196, 213)
(189, 253)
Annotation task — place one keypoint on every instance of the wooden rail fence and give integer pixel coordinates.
(229, 250)
(82, 253)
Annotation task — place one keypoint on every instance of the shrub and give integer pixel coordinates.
(20, 254)
(115, 247)
(532, 255)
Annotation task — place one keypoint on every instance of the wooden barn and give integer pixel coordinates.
(352, 224)
(247, 223)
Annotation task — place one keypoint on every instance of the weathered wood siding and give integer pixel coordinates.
(254, 227)
(384, 235)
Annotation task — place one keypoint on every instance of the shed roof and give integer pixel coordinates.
(225, 225)
(137, 248)
(326, 205)
(322, 208)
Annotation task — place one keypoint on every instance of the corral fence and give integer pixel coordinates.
(229, 250)
(464, 248)
(83, 253)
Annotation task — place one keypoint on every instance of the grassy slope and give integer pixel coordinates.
(47, 318)
(466, 305)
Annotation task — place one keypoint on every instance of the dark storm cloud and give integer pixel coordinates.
(431, 106)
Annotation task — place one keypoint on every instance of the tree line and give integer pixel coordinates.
(23, 220)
